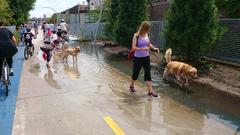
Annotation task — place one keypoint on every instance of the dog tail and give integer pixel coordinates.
(168, 55)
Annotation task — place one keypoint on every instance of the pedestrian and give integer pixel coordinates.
(141, 45)
(23, 30)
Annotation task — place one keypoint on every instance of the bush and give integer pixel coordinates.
(123, 18)
(131, 14)
(193, 28)
(17, 36)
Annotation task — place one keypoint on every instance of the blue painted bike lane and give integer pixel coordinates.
(8, 104)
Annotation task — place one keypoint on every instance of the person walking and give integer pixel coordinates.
(23, 30)
(141, 45)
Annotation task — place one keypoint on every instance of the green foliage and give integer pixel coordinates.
(203, 65)
(5, 12)
(193, 28)
(17, 36)
(238, 77)
(20, 9)
(112, 12)
(130, 15)
(232, 7)
(52, 19)
(93, 16)
(106, 10)
(102, 37)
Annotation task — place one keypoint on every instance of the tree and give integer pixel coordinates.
(53, 19)
(193, 27)
(111, 16)
(5, 12)
(20, 9)
(130, 14)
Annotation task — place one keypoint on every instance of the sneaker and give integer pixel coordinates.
(153, 93)
(132, 89)
(11, 72)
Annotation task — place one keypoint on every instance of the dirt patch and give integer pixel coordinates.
(224, 78)
(224, 74)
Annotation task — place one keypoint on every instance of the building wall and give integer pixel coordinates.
(157, 10)
(95, 4)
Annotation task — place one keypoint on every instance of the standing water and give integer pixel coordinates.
(201, 111)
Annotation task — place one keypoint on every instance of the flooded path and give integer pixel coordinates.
(70, 99)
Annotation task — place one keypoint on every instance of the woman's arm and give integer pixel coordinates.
(134, 44)
(14, 41)
(154, 48)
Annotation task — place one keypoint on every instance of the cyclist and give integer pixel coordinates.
(64, 28)
(45, 28)
(59, 32)
(28, 36)
(8, 48)
(47, 49)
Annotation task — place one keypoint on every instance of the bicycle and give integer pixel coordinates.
(5, 76)
(28, 51)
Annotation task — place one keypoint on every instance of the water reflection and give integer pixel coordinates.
(71, 71)
(48, 76)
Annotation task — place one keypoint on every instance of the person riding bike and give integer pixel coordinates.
(64, 27)
(8, 47)
(47, 48)
(54, 38)
(59, 32)
(28, 36)
(64, 30)
(45, 27)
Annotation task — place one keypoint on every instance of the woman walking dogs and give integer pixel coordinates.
(141, 45)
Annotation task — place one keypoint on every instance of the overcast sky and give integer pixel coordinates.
(58, 5)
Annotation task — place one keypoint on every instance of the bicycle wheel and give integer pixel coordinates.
(6, 78)
(26, 52)
(6, 88)
(32, 51)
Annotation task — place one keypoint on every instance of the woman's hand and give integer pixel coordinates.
(156, 50)
(145, 49)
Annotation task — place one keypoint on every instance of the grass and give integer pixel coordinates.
(17, 36)
(238, 77)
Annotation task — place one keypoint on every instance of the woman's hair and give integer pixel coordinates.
(144, 27)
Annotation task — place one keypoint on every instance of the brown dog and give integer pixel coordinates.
(70, 51)
(179, 69)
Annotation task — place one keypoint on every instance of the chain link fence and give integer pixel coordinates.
(228, 48)
(84, 30)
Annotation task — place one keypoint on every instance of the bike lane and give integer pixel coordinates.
(8, 104)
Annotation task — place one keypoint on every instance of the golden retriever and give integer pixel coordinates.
(179, 69)
(70, 51)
